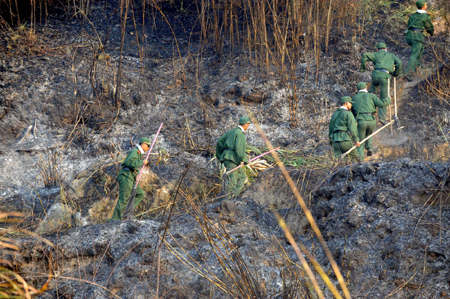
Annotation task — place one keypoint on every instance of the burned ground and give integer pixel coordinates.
(385, 221)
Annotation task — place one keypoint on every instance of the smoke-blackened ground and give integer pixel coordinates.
(381, 220)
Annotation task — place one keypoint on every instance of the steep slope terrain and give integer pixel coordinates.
(64, 135)
(385, 223)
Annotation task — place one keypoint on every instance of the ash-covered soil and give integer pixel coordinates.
(64, 89)
(386, 223)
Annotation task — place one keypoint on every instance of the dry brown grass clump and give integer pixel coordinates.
(438, 84)
(22, 40)
(12, 284)
(156, 197)
(101, 210)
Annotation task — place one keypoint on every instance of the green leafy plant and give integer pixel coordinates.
(295, 158)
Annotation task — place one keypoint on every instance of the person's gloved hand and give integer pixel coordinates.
(222, 168)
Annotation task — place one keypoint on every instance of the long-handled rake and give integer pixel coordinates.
(223, 190)
(396, 121)
(253, 159)
(365, 139)
(390, 111)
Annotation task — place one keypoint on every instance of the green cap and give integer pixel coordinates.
(244, 120)
(346, 100)
(145, 140)
(420, 3)
(381, 46)
(361, 85)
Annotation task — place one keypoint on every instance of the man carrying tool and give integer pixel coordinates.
(230, 150)
(343, 130)
(417, 23)
(127, 177)
(384, 63)
(363, 109)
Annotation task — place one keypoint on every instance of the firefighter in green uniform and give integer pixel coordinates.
(384, 64)
(363, 109)
(230, 150)
(417, 23)
(127, 177)
(343, 130)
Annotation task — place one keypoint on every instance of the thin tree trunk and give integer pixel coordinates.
(119, 71)
(18, 15)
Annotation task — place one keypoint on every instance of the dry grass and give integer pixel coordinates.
(298, 158)
(12, 284)
(22, 40)
(101, 210)
(438, 84)
(275, 33)
(49, 169)
(313, 224)
(239, 280)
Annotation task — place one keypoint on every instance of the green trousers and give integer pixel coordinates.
(340, 147)
(380, 79)
(365, 128)
(415, 60)
(126, 186)
(235, 180)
